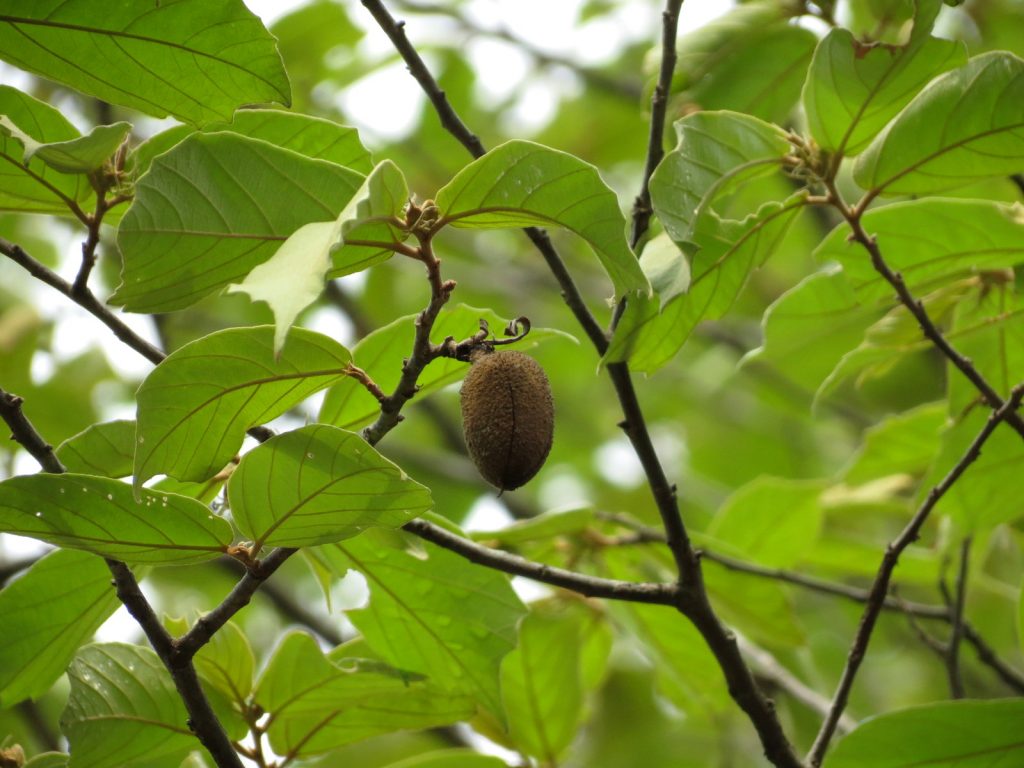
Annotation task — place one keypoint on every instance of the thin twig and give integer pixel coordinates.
(659, 106)
(880, 587)
(956, 681)
(589, 586)
(916, 307)
(1013, 678)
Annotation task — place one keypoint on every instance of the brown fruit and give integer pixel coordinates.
(508, 416)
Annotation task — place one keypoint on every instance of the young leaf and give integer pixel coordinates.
(929, 242)
(100, 515)
(54, 607)
(811, 326)
(319, 484)
(965, 126)
(84, 154)
(28, 184)
(522, 184)
(853, 89)
(106, 449)
(541, 685)
(380, 354)
(902, 443)
(434, 613)
(716, 153)
(771, 520)
(947, 734)
(316, 705)
(194, 408)
(364, 234)
(726, 253)
(209, 210)
(123, 709)
(194, 60)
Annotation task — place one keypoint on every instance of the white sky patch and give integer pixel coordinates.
(618, 464)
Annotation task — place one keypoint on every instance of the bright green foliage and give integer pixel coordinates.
(853, 90)
(209, 211)
(225, 383)
(521, 184)
(952, 734)
(433, 613)
(51, 610)
(771, 521)
(227, 662)
(965, 126)
(450, 758)
(319, 484)
(123, 710)
(317, 704)
(82, 155)
(103, 516)
(106, 449)
(161, 63)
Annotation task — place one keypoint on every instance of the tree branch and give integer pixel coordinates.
(659, 105)
(589, 586)
(956, 681)
(916, 306)
(880, 587)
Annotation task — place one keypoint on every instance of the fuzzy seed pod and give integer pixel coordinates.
(508, 416)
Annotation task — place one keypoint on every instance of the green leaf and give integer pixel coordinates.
(106, 449)
(317, 485)
(311, 136)
(853, 89)
(728, 251)
(948, 734)
(545, 526)
(811, 326)
(316, 705)
(522, 184)
(716, 153)
(965, 126)
(433, 612)
(48, 760)
(761, 77)
(28, 184)
(364, 234)
(123, 710)
(380, 354)
(54, 607)
(226, 662)
(451, 758)
(209, 210)
(541, 685)
(771, 520)
(666, 267)
(195, 407)
(82, 155)
(929, 242)
(100, 515)
(194, 60)
(905, 443)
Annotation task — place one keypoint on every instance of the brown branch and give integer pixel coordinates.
(1013, 678)
(202, 720)
(659, 105)
(916, 307)
(589, 586)
(880, 587)
(956, 681)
